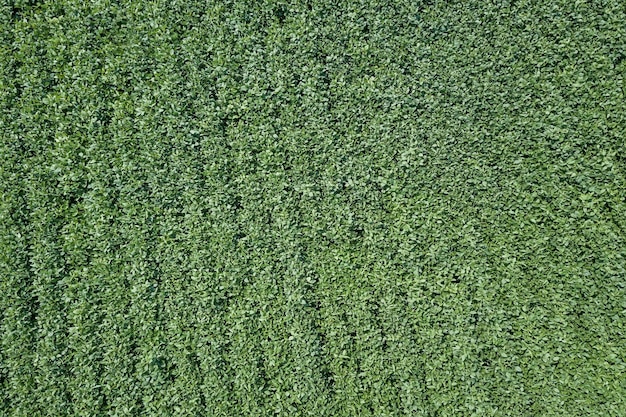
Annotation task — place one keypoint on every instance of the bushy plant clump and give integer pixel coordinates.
(312, 208)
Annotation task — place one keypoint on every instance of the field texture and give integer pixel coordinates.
(312, 208)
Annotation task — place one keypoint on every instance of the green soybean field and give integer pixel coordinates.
(312, 208)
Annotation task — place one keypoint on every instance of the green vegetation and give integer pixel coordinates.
(312, 208)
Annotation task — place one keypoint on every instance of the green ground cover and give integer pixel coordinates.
(312, 208)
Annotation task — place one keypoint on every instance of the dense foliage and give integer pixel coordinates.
(312, 208)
